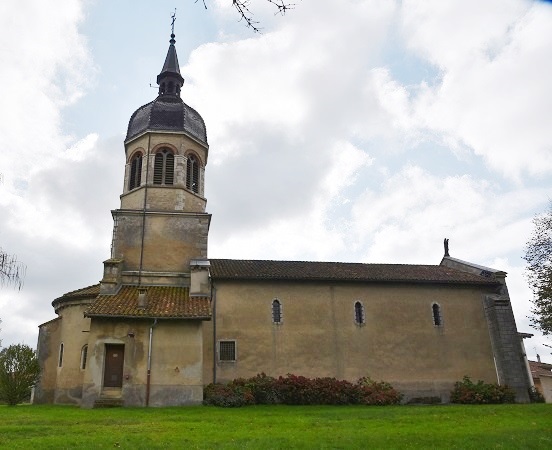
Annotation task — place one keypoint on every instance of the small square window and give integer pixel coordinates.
(227, 350)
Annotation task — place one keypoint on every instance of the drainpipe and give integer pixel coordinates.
(144, 213)
(214, 297)
(148, 377)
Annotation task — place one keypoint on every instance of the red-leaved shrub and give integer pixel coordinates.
(299, 390)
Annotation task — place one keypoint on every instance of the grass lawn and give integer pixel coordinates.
(263, 427)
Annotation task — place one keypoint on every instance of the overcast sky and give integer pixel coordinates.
(349, 130)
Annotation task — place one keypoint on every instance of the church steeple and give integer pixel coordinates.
(169, 80)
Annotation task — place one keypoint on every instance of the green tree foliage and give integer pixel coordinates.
(19, 372)
(538, 254)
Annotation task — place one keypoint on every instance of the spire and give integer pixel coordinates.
(169, 80)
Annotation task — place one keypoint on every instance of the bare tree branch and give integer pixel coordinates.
(242, 7)
(12, 271)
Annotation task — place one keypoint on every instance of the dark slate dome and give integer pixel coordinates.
(167, 113)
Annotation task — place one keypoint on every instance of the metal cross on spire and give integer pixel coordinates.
(173, 19)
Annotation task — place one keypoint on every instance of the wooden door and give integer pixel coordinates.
(114, 361)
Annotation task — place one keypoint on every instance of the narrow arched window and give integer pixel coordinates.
(359, 313)
(135, 178)
(60, 360)
(84, 355)
(163, 167)
(437, 316)
(276, 311)
(192, 173)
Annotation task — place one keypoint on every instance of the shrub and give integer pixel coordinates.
(535, 396)
(468, 392)
(227, 395)
(19, 372)
(299, 390)
(378, 392)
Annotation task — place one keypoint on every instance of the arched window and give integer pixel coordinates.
(135, 178)
(60, 360)
(84, 355)
(192, 173)
(437, 316)
(163, 168)
(276, 311)
(359, 313)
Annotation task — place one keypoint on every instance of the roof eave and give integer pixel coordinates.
(149, 317)
(355, 280)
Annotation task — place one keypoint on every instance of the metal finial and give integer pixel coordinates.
(173, 17)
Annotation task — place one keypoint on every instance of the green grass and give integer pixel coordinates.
(263, 427)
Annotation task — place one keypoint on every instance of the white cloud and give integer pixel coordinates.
(494, 92)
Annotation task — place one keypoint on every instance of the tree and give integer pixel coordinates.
(11, 270)
(538, 254)
(242, 7)
(19, 372)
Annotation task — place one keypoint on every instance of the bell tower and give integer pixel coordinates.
(161, 225)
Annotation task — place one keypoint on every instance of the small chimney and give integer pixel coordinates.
(142, 298)
(538, 358)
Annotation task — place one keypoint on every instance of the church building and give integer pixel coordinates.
(165, 320)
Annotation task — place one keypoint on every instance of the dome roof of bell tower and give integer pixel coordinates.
(167, 113)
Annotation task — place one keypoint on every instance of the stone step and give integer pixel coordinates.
(108, 402)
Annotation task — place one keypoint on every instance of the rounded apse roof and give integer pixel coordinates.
(167, 113)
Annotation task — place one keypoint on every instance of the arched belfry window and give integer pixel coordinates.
(276, 311)
(163, 167)
(359, 313)
(192, 173)
(437, 315)
(135, 178)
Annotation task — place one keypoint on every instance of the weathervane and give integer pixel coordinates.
(173, 17)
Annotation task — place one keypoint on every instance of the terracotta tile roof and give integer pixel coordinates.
(89, 291)
(539, 369)
(231, 269)
(164, 302)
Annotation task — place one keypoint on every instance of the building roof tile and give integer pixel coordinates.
(163, 302)
(231, 269)
(539, 369)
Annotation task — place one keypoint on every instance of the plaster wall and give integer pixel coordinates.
(164, 198)
(318, 335)
(73, 335)
(170, 240)
(48, 343)
(546, 388)
(176, 361)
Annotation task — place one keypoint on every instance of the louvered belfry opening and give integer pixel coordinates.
(192, 173)
(135, 172)
(163, 168)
